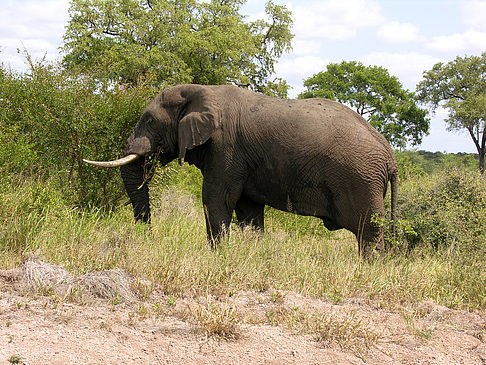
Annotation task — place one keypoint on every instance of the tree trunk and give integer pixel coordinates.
(480, 146)
(481, 151)
(481, 160)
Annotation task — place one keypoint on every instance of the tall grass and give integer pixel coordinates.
(173, 252)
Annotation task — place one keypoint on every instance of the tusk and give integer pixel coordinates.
(117, 163)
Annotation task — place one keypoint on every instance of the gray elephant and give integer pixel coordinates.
(312, 157)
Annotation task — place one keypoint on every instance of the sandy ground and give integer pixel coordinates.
(37, 327)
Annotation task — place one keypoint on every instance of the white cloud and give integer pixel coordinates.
(306, 47)
(334, 19)
(36, 25)
(474, 13)
(296, 69)
(471, 41)
(408, 67)
(396, 32)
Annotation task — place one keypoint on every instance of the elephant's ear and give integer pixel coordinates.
(199, 119)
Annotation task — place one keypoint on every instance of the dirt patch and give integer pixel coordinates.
(130, 322)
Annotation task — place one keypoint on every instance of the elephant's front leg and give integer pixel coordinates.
(219, 203)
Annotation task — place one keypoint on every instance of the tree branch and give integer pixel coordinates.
(108, 32)
(483, 141)
(476, 142)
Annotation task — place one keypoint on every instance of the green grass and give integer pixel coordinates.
(295, 253)
(15, 359)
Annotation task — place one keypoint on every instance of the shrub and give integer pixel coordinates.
(16, 150)
(61, 117)
(16, 153)
(446, 211)
(408, 166)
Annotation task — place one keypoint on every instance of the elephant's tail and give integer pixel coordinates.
(394, 198)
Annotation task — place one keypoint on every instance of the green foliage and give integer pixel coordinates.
(52, 118)
(418, 163)
(291, 222)
(277, 88)
(409, 164)
(25, 209)
(186, 178)
(203, 42)
(16, 150)
(460, 87)
(15, 359)
(446, 212)
(374, 94)
(16, 153)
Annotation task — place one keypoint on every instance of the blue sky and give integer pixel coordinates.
(405, 36)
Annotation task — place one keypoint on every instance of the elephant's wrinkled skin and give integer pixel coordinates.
(310, 157)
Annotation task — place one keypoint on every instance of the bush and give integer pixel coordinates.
(408, 166)
(16, 154)
(60, 117)
(16, 150)
(447, 211)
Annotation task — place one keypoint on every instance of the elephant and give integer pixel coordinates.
(312, 157)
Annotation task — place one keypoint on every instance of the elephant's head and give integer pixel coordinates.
(179, 119)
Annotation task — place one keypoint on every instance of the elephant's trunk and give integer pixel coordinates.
(137, 189)
(132, 173)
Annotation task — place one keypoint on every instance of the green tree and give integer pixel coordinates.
(460, 87)
(374, 94)
(178, 41)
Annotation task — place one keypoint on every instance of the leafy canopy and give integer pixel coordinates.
(460, 87)
(179, 41)
(374, 94)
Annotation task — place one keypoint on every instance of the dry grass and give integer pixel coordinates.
(347, 330)
(173, 253)
(48, 279)
(217, 319)
(344, 329)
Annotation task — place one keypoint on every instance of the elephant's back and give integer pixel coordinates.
(313, 127)
(331, 125)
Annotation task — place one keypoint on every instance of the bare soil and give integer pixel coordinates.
(38, 325)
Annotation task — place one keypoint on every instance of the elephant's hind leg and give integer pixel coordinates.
(369, 232)
(249, 213)
(371, 240)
